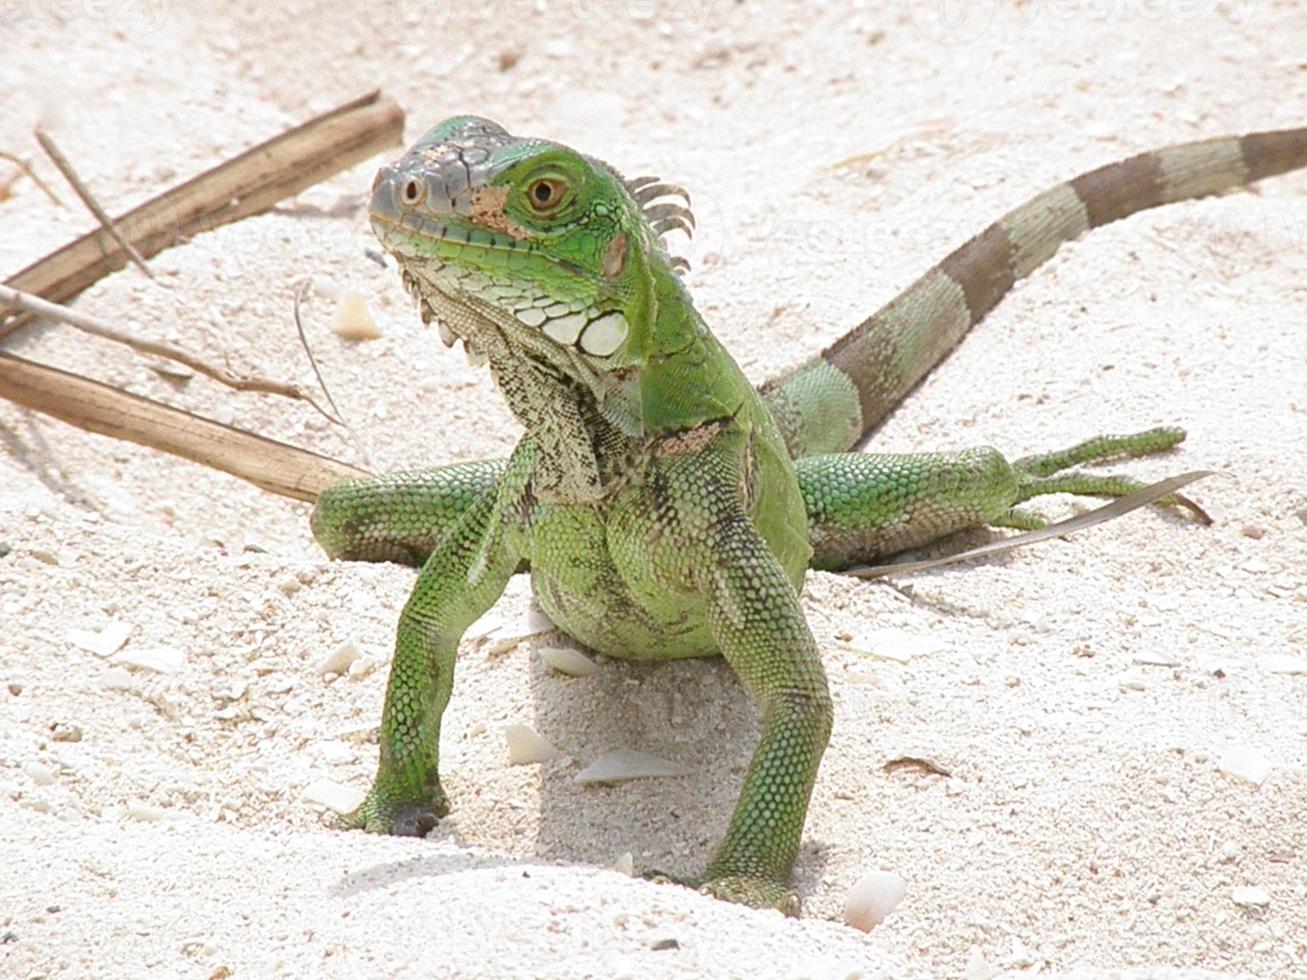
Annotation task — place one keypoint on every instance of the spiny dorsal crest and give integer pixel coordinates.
(659, 204)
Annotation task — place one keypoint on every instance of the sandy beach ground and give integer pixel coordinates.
(1087, 697)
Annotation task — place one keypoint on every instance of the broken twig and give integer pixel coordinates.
(267, 463)
(61, 162)
(245, 185)
(98, 328)
(26, 168)
(300, 293)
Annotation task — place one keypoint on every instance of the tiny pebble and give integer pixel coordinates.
(65, 733)
(1282, 663)
(102, 643)
(353, 321)
(116, 679)
(230, 691)
(1155, 660)
(978, 968)
(336, 753)
(162, 660)
(41, 775)
(1250, 895)
(625, 865)
(145, 812)
(526, 746)
(361, 668)
(1254, 531)
(567, 661)
(875, 896)
(282, 685)
(339, 660)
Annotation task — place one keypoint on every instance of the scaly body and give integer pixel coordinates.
(664, 507)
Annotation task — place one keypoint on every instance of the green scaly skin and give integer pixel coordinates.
(653, 497)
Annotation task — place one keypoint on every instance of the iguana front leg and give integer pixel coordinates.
(863, 506)
(757, 623)
(401, 517)
(460, 581)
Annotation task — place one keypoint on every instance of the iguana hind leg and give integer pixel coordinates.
(863, 506)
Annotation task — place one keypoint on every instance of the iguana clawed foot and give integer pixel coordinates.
(381, 812)
(758, 893)
(755, 892)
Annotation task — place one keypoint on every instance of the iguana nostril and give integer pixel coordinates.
(411, 192)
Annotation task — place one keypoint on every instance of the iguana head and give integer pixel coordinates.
(517, 242)
(548, 264)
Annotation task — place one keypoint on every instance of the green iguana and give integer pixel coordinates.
(665, 508)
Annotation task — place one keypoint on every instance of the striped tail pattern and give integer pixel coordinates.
(831, 402)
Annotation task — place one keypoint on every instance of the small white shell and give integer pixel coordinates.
(620, 765)
(875, 896)
(1250, 895)
(567, 661)
(891, 644)
(526, 746)
(339, 660)
(106, 642)
(1245, 762)
(161, 660)
(333, 795)
(353, 321)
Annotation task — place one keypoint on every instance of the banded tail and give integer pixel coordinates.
(832, 401)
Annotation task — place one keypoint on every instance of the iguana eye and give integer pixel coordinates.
(411, 192)
(545, 194)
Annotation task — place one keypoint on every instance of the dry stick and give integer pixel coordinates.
(61, 162)
(267, 463)
(245, 185)
(97, 327)
(26, 168)
(250, 183)
(300, 293)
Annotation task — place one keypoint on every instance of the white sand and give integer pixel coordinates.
(1085, 690)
